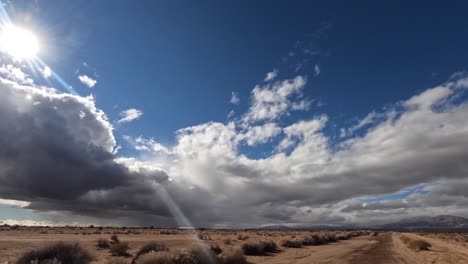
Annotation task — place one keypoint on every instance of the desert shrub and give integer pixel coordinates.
(419, 244)
(253, 248)
(151, 247)
(269, 246)
(405, 239)
(312, 240)
(115, 239)
(415, 244)
(242, 237)
(119, 249)
(232, 256)
(197, 255)
(292, 243)
(157, 258)
(330, 238)
(202, 236)
(57, 253)
(216, 249)
(103, 243)
(227, 241)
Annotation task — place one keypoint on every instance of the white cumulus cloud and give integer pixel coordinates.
(86, 80)
(129, 115)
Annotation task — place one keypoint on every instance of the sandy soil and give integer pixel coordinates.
(385, 248)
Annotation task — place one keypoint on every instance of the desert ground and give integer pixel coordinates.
(298, 247)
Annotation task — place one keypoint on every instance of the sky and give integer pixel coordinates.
(232, 114)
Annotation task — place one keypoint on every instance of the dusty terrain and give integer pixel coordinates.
(368, 247)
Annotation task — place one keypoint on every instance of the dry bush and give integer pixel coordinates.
(196, 255)
(157, 258)
(292, 243)
(120, 249)
(253, 248)
(419, 244)
(168, 232)
(202, 236)
(242, 237)
(216, 249)
(232, 256)
(151, 247)
(269, 246)
(103, 243)
(115, 239)
(259, 247)
(415, 244)
(312, 240)
(227, 241)
(57, 253)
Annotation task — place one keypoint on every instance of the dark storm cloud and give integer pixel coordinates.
(56, 151)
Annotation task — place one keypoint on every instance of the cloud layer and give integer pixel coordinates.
(56, 153)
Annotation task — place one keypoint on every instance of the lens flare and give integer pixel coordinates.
(18, 42)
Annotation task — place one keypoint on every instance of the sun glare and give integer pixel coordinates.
(18, 42)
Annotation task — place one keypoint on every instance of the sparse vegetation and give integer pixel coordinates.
(292, 243)
(115, 239)
(103, 243)
(415, 244)
(197, 255)
(242, 237)
(57, 253)
(120, 249)
(259, 247)
(150, 247)
(227, 241)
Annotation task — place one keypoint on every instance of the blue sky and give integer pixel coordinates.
(186, 54)
(176, 64)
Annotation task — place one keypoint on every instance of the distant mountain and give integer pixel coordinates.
(437, 223)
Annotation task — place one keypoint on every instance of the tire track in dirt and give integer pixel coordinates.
(381, 252)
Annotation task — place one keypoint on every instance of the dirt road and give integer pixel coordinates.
(382, 252)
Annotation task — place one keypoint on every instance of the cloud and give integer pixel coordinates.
(15, 203)
(15, 74)
(271, 101)
(271, 75)
(129, 115)
(309, 178)
(316, 70)
(47, 72)
(260, 134)
(234, 99)
(86, 80)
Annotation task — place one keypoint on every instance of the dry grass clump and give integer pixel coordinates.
(103, 243)
(415, 244)
(115, 239)
(168, 232)
(313, 240)
(227, 241)
(150, 247)
(242, 237)
(202, 236)
(57, 253)
(259, 247)
(120, 249)
(232, 256)
(292, 243)
(197, 255)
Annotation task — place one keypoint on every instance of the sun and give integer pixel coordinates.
(18, 42)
